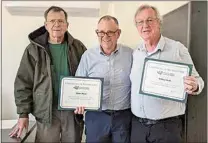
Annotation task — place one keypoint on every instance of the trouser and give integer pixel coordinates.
(108, 126)
(156, 131)
(62, 129)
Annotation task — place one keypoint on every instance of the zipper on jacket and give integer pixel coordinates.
(69, 61)
(50, 63)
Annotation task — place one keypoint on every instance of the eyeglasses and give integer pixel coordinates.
(59, 21)
(109, 33)
(149, 21)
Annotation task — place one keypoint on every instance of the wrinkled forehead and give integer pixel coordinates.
(145, 14)
(107, 25)
(55, 15)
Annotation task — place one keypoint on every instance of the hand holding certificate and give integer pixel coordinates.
(80, 91)
(164, 79)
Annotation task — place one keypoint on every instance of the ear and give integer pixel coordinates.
(67, 25)
(45, 24)
(119, 33)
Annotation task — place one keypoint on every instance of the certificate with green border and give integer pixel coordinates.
(164, 79)
(81, 91)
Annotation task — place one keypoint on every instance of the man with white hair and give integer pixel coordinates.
(155, 119)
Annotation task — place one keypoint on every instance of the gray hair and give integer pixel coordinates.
(146, 6)
(55, 9)
(108, 17)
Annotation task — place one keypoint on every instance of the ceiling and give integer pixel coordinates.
(37, 8)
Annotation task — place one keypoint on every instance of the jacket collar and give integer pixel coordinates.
(40, 37)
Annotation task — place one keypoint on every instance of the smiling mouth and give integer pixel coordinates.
(106, 41)
(146, 31)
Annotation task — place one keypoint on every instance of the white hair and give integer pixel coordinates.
(146, 6)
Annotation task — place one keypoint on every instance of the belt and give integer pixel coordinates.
(150, 122)
(111, 112)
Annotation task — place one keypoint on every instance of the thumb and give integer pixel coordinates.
(26, 126)
(75, 111)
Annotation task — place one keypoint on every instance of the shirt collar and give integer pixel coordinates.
(160, 45)
(114, 52)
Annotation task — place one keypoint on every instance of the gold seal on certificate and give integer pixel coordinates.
(81, 91)
(164, 79)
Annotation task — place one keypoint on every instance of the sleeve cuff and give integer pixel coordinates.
(23, 115)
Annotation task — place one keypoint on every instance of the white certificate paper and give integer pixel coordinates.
(164, 79)
(79, 91)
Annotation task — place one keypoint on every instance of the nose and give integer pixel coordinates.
(105, 36)
(56, 23)
(145, 24)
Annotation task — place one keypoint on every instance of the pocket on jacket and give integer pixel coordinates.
(40, 108)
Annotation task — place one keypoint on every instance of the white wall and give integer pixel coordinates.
(125, 11)
(14, 40)
(0, 66)
(15, 30)
(77, 4)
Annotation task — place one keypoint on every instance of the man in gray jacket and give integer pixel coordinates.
(52, 53)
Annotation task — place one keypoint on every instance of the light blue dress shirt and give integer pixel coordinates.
(152, 107)
(115, 69)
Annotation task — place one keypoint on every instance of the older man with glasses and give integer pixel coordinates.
(52, 53)
(155, 119)
(111, 61)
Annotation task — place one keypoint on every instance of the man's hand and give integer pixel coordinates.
(190, 84)
(21, 124)
(79, 110)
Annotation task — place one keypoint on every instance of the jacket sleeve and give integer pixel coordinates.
(82, 47)
(23, 85)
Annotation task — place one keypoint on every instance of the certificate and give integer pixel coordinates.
(81, 91)
(164, 79)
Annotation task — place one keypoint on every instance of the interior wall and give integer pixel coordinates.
(125, 11)
(15, 30)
